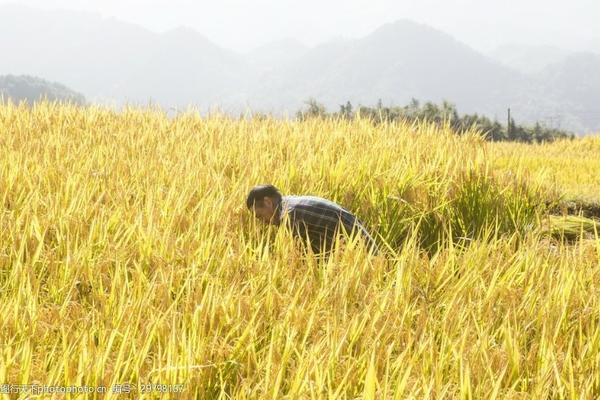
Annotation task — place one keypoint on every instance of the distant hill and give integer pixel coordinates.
(116, 62)
(576, 82)
(528, 59)
(276, 55)
(181, 68)
(31, 89)
(395, 63)
(111, 60)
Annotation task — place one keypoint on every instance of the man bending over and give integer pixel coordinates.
(310, 217)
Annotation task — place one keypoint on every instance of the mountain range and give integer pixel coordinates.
(114, 62)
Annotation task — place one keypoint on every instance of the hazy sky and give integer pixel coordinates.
(244, 24)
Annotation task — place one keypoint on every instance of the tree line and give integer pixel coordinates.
(438, 114)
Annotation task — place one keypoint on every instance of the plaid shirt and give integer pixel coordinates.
(319, 219)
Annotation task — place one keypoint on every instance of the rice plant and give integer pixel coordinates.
(128, 256)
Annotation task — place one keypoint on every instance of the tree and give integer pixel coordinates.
(314, 109)
(346, 110)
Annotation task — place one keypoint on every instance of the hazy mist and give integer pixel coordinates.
(242, 25)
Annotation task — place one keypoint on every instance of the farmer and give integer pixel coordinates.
(311, 216)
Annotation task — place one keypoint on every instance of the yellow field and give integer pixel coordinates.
(572, 166)
(128, 256)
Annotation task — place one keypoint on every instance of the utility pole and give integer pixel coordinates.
(508, 125)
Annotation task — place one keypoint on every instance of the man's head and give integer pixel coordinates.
(264, 199)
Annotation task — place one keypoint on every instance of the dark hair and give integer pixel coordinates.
(258, 193)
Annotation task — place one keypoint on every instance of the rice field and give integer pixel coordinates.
(571, 166)
(130, 266)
